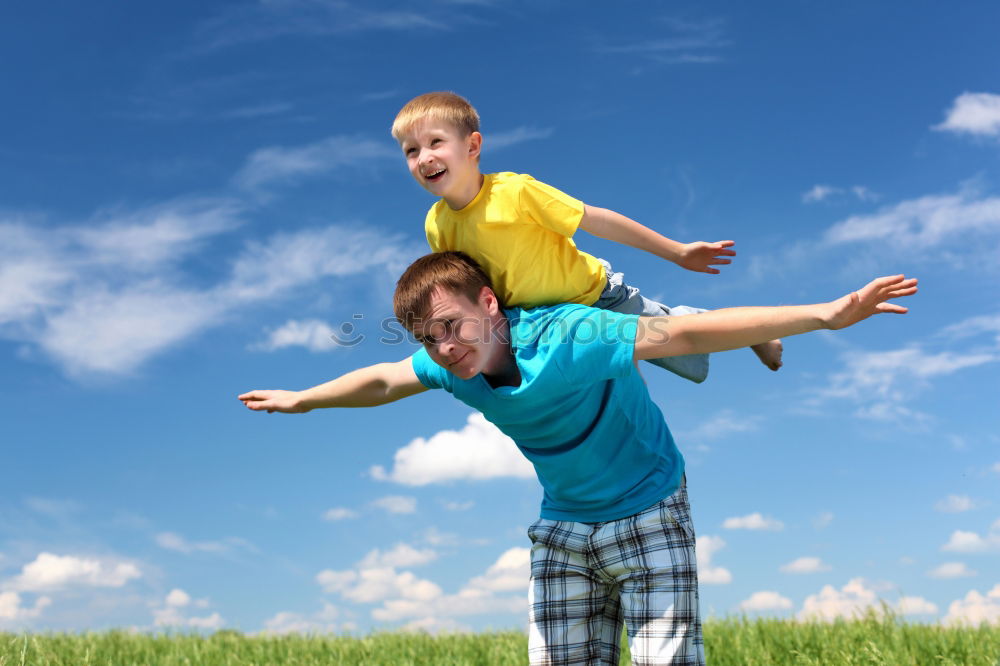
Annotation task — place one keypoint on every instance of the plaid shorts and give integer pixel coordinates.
(588, 578)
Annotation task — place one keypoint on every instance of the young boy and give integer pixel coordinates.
(520, 230)
(615, 542)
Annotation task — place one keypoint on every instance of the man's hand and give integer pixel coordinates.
(288, 402)
(701, 256)
(870, 299)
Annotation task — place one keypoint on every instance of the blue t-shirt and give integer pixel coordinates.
(582, 414)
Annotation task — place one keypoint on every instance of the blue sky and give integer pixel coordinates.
(197, 195)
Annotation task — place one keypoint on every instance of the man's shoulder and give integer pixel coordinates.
(565, 322)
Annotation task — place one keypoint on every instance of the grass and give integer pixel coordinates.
(742, 642)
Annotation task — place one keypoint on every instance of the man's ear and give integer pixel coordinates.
(488, 300)
(475, 144)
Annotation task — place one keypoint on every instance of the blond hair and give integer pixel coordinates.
(456, 272)
(447, 106)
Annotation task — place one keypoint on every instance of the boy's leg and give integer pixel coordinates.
(574, 616)
(621, 297)
(652, 554)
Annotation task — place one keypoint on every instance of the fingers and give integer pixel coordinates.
(891, 308)
(720, 262)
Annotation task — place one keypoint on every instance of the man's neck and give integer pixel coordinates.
(506, 373)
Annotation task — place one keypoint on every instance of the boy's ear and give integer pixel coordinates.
(475, 144)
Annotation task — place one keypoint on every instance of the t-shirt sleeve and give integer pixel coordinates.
(551, 208)
(596, 344)
(432, 230)
(430, 373)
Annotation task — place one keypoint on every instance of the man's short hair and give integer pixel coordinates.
(447, 106)
(456, 272)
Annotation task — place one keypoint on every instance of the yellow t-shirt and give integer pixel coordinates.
(519, 230)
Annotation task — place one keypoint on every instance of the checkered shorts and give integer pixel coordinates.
(587, 578)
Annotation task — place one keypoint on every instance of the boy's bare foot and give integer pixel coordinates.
(769, 353)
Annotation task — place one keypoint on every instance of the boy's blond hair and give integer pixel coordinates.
(447, 106)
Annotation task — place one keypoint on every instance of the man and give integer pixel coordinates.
(615, 541)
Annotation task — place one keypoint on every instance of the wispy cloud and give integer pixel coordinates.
(314, 335)
(962, 541)
(951, 570)
(478, 451)
(695, 42)
(973, 113)
(396, 504)
(286, 165)
(922, 223)
(171, 613)
(501, 140)
(102, 297)
(955, 504)
(175, 542)
(264, 21)
(825, 192)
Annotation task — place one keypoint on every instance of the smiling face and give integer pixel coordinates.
(463, 337)
(443, 161)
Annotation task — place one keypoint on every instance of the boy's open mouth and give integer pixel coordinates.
(436, 175)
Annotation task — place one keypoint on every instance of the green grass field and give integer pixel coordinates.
(732, 641)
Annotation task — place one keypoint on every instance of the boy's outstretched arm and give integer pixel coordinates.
(368, 387)
(698, 256)
(731, 328)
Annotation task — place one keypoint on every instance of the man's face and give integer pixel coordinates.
(443, 161)
(460, 335)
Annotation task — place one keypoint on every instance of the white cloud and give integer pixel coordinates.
(476, 452)
(173, 541)
(975, 609)
(765, 600)
(321, 622)
(819, 193)
(339, 513)
(996, 467)
(915, 606)
(883, 382)
(371, 585)
(104, 299)
(401, 555)
(459, 506)
(50, 572)
(824, 192)
(823, 520)
(313, 334)
(706, 547)
(396, 504)
(804, 565)
(922, 223)
(11, 609)
(753, 521)
(285, 165)
(509, 573)
(973, 113)
(500, 140)
(851, 601)
(724, 423)
(955, 504)
(480, 595)
(971, 542)
(178, 598)
(951, 570)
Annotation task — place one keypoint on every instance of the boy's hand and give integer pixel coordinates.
(701, 256)
(870, 299)
(287, 402)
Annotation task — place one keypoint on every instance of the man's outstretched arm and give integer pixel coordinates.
(367, 387)
(732, 328)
